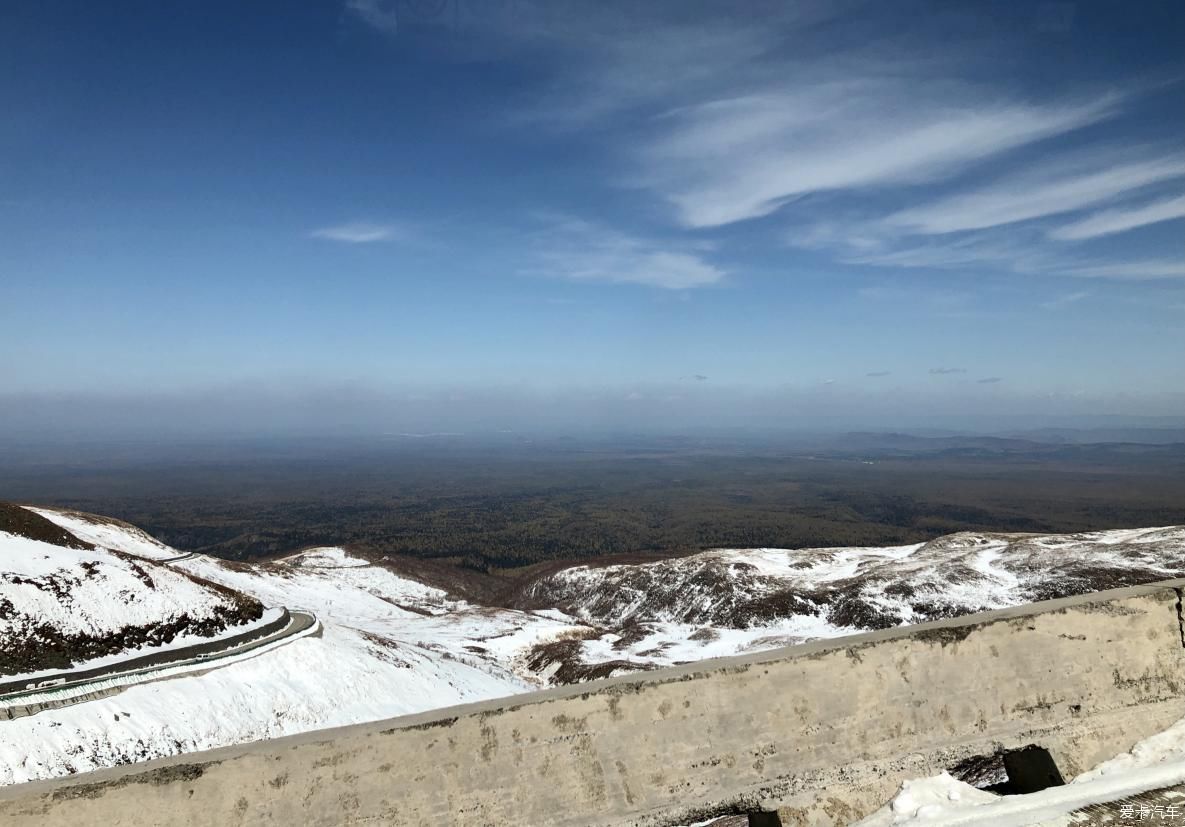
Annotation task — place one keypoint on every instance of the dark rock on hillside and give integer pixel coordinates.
(25, 523)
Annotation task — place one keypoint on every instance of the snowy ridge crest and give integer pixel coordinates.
(729, 601)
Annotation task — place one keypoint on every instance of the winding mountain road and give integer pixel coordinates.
(178, 558)
(289, 625)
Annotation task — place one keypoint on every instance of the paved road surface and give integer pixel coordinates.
(288, 625)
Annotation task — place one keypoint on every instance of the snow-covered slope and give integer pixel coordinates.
(401, 614)
(107, 532)
(63, 607)
(729, 601)
(392, 646)
(389, 646)
(1156, 763)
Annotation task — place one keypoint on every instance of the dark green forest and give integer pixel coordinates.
(493, 506)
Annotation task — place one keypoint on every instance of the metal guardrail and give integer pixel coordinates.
(65, 679)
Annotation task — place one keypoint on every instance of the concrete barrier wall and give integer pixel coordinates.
(824, 732)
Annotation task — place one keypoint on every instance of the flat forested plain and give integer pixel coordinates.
(503, 501)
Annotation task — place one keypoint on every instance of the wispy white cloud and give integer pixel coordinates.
(625, 62)
(945, 371)
(1109, 222)
(993, 255)
(1023, 250)
(987, 252)
(638, 69)
(744, 157)
(724, 119)
(362, 232)
(1091, 181)
(579, 250)
(1066, 299)
(1142, 270)
(991, 252)
(967, 251)
(728, 119)
(382, 15)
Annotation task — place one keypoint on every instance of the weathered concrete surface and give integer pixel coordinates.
(825, 731)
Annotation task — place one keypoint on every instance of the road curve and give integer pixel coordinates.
(288, 625)
(176, 559)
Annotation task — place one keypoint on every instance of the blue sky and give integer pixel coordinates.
(841, 205)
